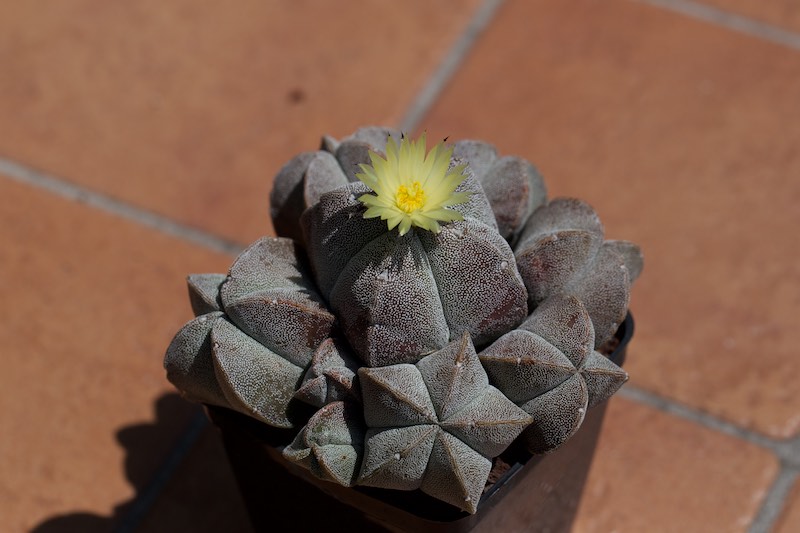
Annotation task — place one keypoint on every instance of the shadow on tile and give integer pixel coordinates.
(187, 488)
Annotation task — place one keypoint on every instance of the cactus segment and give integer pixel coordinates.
(564, 323)
(479, 286)
(549, 369)
(397, 458)
(478, 155)
(189, 362)
(456, 473)
(288, 324)
(453, 377)
(329, 144)
(375, 136)
(350, 155)
(298, 185)
(561, 251)
(605, 291)
(488, 424)
(395, 396)
(561, 214)
(477, 207)
(558, 413)
(524, 365)
(254, 380)
(550, 264)
(270, 263)
(323, 174)
(515, 189)
(286, 199)
(330, 445)
(269, 296)
(513, 186)
(555, 246)
(632, 256)
(603, 378)
(388, 304)
(335, 231)
(331, 376)
(204, 292)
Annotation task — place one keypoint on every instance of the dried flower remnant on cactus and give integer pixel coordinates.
(412, 187)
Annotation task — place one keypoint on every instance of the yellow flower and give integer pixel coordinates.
(413, 188)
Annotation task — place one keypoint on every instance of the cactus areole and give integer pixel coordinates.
(419, 312)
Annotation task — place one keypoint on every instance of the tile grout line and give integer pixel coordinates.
(731, 21)
(775, 500)
(144, 499)
(447, 68)
(65, 189)
(786, 451)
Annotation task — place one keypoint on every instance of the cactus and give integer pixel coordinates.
(392, 266)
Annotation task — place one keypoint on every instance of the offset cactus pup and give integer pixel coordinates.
(540, 489)
(424, 322)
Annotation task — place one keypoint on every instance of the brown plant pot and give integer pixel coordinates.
(535, 493)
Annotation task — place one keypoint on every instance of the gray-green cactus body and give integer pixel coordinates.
(270, 296)
(514, 187)
(204, 292)
(562, 251)
(263, 326)
(189, 361)
(436, 425)
(331, 444)
(401, 297)
(212, 361)
(330, 377)
(354, 150)
(549, 368)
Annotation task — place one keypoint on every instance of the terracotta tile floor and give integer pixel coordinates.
(138, 145)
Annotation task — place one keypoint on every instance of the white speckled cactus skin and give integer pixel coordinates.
(330, 377)
(301, 181)
(259, 330)
(561, 251)
(436, 425)
(549, 368)
(331, 444)
(399, 298)
(377, 331)
(514, 187)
